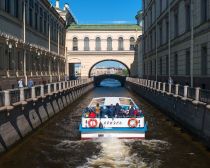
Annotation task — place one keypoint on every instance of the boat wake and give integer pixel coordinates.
(117, 153)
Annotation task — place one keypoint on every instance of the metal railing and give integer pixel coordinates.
(191, 93)
(38, 91)
(1, 99)
(27, 93)
(52, 87)
(204, 96)
(167, 87)
(173, 89)
(45, 89)
(14, 96)
(181, 91)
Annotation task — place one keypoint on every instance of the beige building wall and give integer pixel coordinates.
(89, 58)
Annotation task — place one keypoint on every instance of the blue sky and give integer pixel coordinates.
(103, 11)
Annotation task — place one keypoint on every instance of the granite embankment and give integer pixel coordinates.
(24, 110)
(188, 106)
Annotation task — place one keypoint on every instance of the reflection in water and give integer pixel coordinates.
(110, 83)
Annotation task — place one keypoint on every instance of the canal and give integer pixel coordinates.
(57, 144)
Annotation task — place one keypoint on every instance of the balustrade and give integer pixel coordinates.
(178, 90)
(9, 97)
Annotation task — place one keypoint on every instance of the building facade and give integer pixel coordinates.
(96, 71)
(88, 45)
(176, 41)
(32, 42)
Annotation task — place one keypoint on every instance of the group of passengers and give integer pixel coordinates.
(113, 111)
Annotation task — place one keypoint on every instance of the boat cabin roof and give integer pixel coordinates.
(107, 101)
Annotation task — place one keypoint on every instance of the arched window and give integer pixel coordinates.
(109, 44)
(132, 43)
(75, 44)
(120, 44)
(98, 44)
(86, 44)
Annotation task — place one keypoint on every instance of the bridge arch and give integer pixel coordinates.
(100, 78)
(89, 73)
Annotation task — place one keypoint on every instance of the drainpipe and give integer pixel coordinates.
(192, 45)
(24, 42)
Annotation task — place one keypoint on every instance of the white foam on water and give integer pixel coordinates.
(114, 154)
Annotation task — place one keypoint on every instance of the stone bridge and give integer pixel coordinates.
(98, 79)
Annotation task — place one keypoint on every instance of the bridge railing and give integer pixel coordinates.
(194, 94)
(9, 97)
(1, 99)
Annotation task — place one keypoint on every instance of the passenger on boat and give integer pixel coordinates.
(97, 109)
(103, 112)
(132, 110)
(92, 114)
(111, 111)
(118, 110)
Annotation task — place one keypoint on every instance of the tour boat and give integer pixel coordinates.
(117, 117)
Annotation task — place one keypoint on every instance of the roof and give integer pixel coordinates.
(104, 27)
(107, 101)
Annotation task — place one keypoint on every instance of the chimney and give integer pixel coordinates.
(57, 4)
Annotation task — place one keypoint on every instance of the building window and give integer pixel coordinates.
(160, 33)
(98, 44)
(176, 24)
(187, 16)
(41, 20)
(30, 17)
(7, 6)
(167, 31)
(51, 29)
(120, 44)
(109, 44)
(36, 17)
(175, 64)
(160, 66)
(155, 65)
(16, 8)
(167, 65)
(86, 44)
(204, 60)
(19, 60)
(150, 68)
(45, 23)
(31, 5)
(161, 6)
(132, 43)
(187, 62)
(204, 10)
(75, 44)
(151, 41)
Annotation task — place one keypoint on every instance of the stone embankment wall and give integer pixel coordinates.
(185, 105)
(25, 111)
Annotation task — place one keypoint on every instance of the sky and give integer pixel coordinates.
(103, 11)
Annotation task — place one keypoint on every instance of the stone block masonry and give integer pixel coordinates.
(185, 105)
(19, 117)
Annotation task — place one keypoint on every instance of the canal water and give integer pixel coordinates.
(57, 144)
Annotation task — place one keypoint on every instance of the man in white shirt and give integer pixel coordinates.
(20, 83)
